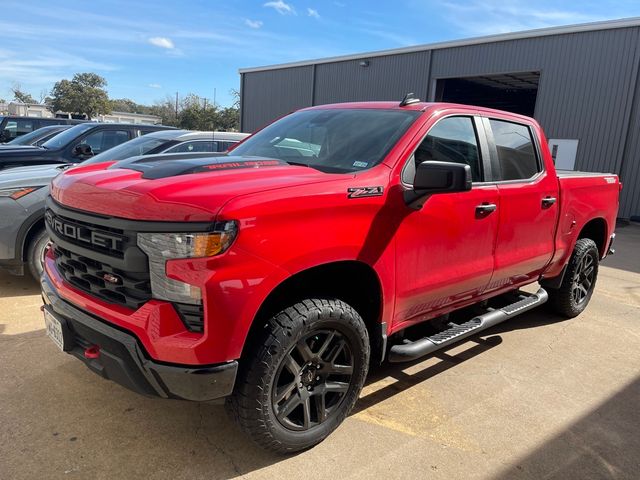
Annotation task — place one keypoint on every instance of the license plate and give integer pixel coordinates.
(54, 329)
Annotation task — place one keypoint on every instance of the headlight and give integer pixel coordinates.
(161, 247)
(16, 193)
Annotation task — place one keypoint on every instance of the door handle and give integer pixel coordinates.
(485, 209)
(548, 201)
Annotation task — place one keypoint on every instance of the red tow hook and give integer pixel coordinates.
(92, 352)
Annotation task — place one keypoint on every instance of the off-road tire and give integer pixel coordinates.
(253, 403)
(563, 300)
(35, 253)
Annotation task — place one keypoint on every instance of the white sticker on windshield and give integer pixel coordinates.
(359, 164)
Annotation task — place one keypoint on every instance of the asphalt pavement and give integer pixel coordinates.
(536, 397)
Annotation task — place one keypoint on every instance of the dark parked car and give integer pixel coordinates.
(15, 126)
(76, 144)
(173, 141)
(23, 190)
(37, 137)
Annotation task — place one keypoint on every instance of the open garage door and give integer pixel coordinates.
(513, 92)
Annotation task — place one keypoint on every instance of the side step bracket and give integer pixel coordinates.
(407, 352)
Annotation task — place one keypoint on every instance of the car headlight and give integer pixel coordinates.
(18, 192)
(161, 247)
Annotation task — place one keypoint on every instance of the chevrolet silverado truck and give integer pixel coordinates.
(337, 237)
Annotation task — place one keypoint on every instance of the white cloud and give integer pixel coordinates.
(253, 23)
(313, 13)
(489, 17)
(281, 7)
(162, 42)
(155, 85)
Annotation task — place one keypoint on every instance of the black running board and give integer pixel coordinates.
(406, 352)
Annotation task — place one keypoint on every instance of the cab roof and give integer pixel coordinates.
(417, 106)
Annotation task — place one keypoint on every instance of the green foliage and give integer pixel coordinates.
(196, 113)
(84, 94)
(20, 95)
(123, 105)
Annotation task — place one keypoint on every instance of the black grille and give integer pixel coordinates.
(103, 239)
(100, 256)
(128, 289)
(191, 315)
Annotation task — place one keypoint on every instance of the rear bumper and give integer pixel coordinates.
(610, 249)
(123, 360)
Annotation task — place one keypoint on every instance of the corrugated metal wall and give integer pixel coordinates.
(348, 81)
(265, 96)
(630, 198)
(586, 90)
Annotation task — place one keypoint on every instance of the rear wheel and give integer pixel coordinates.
(305, 376)
(35, 253)
(579, 280)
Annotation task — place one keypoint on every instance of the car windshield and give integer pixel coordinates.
(68, 136)
(31, 137)
(137, 146)
(331, 140)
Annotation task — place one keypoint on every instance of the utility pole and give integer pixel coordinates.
(214, 97)
(176, 106)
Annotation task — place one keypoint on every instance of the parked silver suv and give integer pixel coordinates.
(23, 191)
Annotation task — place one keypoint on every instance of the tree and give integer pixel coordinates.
(20, 95)
(124, 105)
(166, 110)
(85, 94)
(235, 95)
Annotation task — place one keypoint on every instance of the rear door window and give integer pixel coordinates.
(103, 140)
(516, 151)
(16, 127)
(195, 146)
(224, 146)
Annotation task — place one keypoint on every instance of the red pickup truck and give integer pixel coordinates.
(275, 274)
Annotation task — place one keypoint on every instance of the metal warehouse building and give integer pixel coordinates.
(580, 82)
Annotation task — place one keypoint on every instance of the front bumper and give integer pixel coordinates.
(123, 360)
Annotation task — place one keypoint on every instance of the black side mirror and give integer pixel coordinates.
(82, 150)
(442, 177)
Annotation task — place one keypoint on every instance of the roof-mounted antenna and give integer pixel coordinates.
(409, 99)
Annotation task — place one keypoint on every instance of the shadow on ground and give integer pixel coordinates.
(11, 286)
(626, 246)
(603, 444)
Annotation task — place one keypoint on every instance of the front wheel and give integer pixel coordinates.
(579, 280)
(308, 368)
(35, 253)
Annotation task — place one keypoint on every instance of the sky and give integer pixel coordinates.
(147, 50)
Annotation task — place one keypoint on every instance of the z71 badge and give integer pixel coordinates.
(359, 192)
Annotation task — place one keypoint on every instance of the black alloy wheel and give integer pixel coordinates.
(312, 380)
(579, 281)
(583, 279)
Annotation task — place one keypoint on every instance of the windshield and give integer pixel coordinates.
(30, 138)
(332, 140)
(137, 146)
(68, 136)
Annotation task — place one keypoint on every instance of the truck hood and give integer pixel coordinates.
(179, 191)
(20, 150)
(31, 176)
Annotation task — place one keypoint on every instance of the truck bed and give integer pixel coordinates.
(577, 173)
